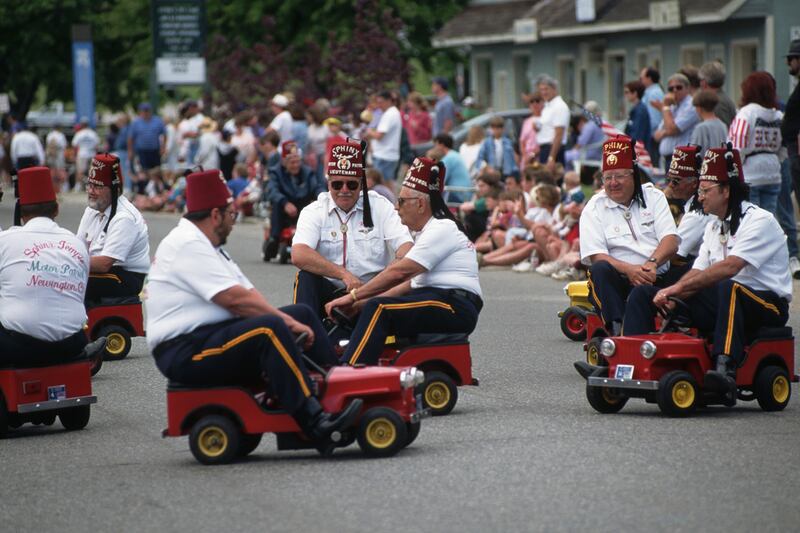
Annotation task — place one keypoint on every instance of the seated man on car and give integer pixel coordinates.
(740, 280)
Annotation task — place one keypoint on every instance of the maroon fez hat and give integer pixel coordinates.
(346, 159)
(35, 186)
(715, 166)
(425, 175)
(684, 162)
(206, 190)
(104, 170)
(618, 153)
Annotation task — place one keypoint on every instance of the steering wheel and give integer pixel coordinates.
(678, 317)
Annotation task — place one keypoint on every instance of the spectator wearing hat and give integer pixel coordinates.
(497, 151)
(790, 125)
(146, 139)
(43, 274)
(291, 186)
(386, 137)
(115, 234)
(444, 111)
(207, 155)
(740, 272)
(433, 289)
(712, 78)
(627, 234)
(282, 124)
(347, 236)
(222, 314)
(678, 117)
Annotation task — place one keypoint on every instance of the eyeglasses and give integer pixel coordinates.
(338, 184)
(673, 88)
(94, 186)
(401, 200)
(230, 211)
(617, 177)
(703, 191)
(674, 182)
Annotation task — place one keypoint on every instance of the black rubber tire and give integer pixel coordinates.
(74, 418)
(3, 417)
(412, 429)
(773, 388)
(214, 440)
(678, 393)
(603, 400)
(248, 443)
(570, 315)
(381, 432)
(118, 344)
(439, 393)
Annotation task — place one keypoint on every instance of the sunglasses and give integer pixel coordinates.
(673, 88)
(674, 182)
(351, 185)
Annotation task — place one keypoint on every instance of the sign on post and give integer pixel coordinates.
(178, 41)
(83, 73)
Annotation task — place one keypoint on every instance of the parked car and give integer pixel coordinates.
(513, 119)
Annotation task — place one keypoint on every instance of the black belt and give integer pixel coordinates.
(473, 298)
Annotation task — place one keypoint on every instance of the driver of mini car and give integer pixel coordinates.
(43, 273)
(741, 271)
(347, 236)
(433, 289)
(115, 233)
(627, 234)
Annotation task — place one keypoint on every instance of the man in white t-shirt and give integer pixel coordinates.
(115, 234)
(552, 132)
(87, 142)
(433, 289)
(347, 236)
(740, 281)
(627, 234)
(43, 273)
(208, 325)
(386, 138)
(282, 123)
(26, 150)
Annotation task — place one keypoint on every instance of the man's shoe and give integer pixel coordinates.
(794, 267)
(325, 428)
(269, 249)
(615, 329)
(522, 266)
(549, 268)
(723, 380)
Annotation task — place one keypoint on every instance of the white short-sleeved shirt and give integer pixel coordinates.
(447, 255)
(691, 230)
(605, 230)
(43, 273)
(388, 146)
(760, 242)
(127, 240)
(188, 271)
(282, 123)
(87, 142)
(555, 114)
(319, 228)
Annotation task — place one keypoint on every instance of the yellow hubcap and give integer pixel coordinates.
(609, 397)
(381, 433)
(683, 394)
(437, 395)
(213, 441)
(780, 389)
(115, 343)
(592, 355)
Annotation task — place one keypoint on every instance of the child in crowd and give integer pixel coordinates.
(155, 192)
(375, 183)
(498, 222)
(248, 196)
(239, 181)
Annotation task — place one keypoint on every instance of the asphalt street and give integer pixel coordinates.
(524, 451)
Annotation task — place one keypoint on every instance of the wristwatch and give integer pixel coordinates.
(653, 260)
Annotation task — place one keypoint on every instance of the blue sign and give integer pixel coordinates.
(83, 78)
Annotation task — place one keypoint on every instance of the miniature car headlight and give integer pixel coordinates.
(648, 349)
(566, 289)
(411, 377)
(607, 347)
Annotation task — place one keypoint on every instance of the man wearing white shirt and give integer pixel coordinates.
(87, 141)
(433, 289)
(115, 234)
(386, 138)
(627, 234)
(552, 132)
(208, 325)
(26, 150)
(282, 123)
(740, 280)
(43, 274)
(347, 236)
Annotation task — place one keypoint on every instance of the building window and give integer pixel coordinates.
(616, 81)
(521, 81)
(483, 82)
(744, 60)
(693, 55)
(566, 77)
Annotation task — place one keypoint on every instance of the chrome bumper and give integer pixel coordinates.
(51, 405)
(640, 384)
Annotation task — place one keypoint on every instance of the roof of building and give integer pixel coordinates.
(495, 22)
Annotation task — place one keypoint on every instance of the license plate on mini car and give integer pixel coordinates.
(624, 372)
(57, 392)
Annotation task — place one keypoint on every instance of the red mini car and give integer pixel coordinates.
(224, 423)
(38, 395)
(117, 321)
(669, 369)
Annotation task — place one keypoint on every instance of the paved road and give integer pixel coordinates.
(522, 452)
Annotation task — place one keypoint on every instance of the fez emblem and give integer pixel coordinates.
(704, 168)
(343, 163)
(611, 160)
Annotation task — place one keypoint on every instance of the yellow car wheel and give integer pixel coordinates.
(772, 388)
(593, 356)
(118, 342)
(677, 393)
(381, 432)
(214, 439)
(439, 393)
